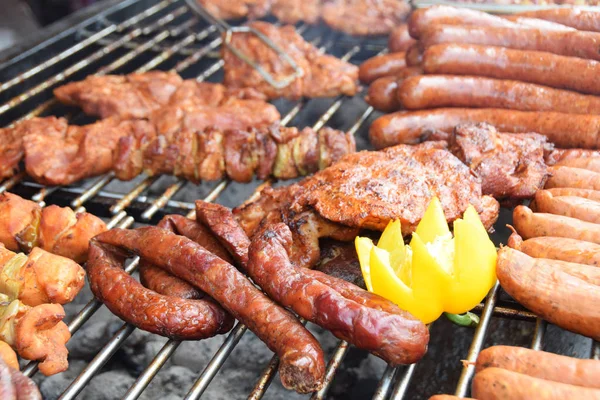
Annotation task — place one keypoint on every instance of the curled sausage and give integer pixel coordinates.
(539, 67)
(400, 39)
(586, 193)
(557, 248)
(497, 383)
(567, 43)
(540, 364)
(569, 206)
(302, 365)
(382, 65)
(168, 316)
(570, 16)
(436, 91)
(564, 130)
(562, 176)
(368, 321)
(563, 293)
(529, 225)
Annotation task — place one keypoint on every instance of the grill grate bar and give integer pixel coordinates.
(15, 101)
(332, 367)
(95, 38)
(480, 332)
(385, 383)
(538, 335)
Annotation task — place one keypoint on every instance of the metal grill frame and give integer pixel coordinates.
(143, 34)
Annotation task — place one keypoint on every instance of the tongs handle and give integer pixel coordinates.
(228, 32)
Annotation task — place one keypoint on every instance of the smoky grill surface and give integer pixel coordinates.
(110, 359)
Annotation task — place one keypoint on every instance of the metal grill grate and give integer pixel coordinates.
(144, 35)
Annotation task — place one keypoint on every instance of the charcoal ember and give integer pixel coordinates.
(52, 387)
(174, 380)
(88, 340)
(108, 385)
(232, 383)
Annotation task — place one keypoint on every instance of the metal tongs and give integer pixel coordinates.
(229, 30)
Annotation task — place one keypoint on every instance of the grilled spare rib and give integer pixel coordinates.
(324, 75)
(366, 190)
(365, 17)
(509, 165)
(238, 154)
(137, 95)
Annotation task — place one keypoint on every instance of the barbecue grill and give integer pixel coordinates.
(140, 35)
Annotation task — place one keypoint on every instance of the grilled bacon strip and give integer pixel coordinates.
(25, 225)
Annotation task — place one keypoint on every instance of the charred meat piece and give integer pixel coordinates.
(129, 96)
(77, 152)
(365, 17)
(339, 259)
(211, 154)
(236, 9)
(11, 140)
(25, 225)
(509, 165)
(324, 75)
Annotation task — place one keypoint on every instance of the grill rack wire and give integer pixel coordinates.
(166, 35)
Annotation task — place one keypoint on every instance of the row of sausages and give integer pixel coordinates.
(456, 65)
(506, 372)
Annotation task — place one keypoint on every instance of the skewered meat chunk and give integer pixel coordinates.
(36, 333)
(39, 277)
(8, 356)
(324, 75)
(14, 385)
(129, 96)
(509, 165)
(365, 17)
(228, 9)
(212, 154)
(294, 11)
(77, 152)
(137, 95)
(25, 225)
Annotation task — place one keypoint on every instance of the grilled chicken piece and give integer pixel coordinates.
(236, 9)
(365, 17)
(128, 96)
(211, 154)
(510, 166)
(366, 190)
(139, 95)
(294, 11)
(54, 157)
(324, 75)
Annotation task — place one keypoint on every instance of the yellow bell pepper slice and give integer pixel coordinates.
(437, 272)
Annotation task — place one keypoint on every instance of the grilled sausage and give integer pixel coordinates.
(302, 365)
(168, 316)
(421, 19)
(400, 39)
(569, 206)
(573, 17)
(539, 67)
(368, 321)
(414, 56)
(497, 384)
(540, 364)
(564, 130)
(538, 23)
(558, 248)
(382, 93)
(382, 65)
(563, 293)
(566, 43)
(587, 193)
(436, 91)
(558, 155)
(161, 281)
(448, 397)
(530, 225)
(563, 176)
(591, 164)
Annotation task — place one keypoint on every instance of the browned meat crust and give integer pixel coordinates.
(302, 366)
(509, 165)
(161, 281)
(339, 259)
(365, 17)
(368, 321)
(294, 11)
(128, 96)
(324, 75)
(168, 316)
(25, 225)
